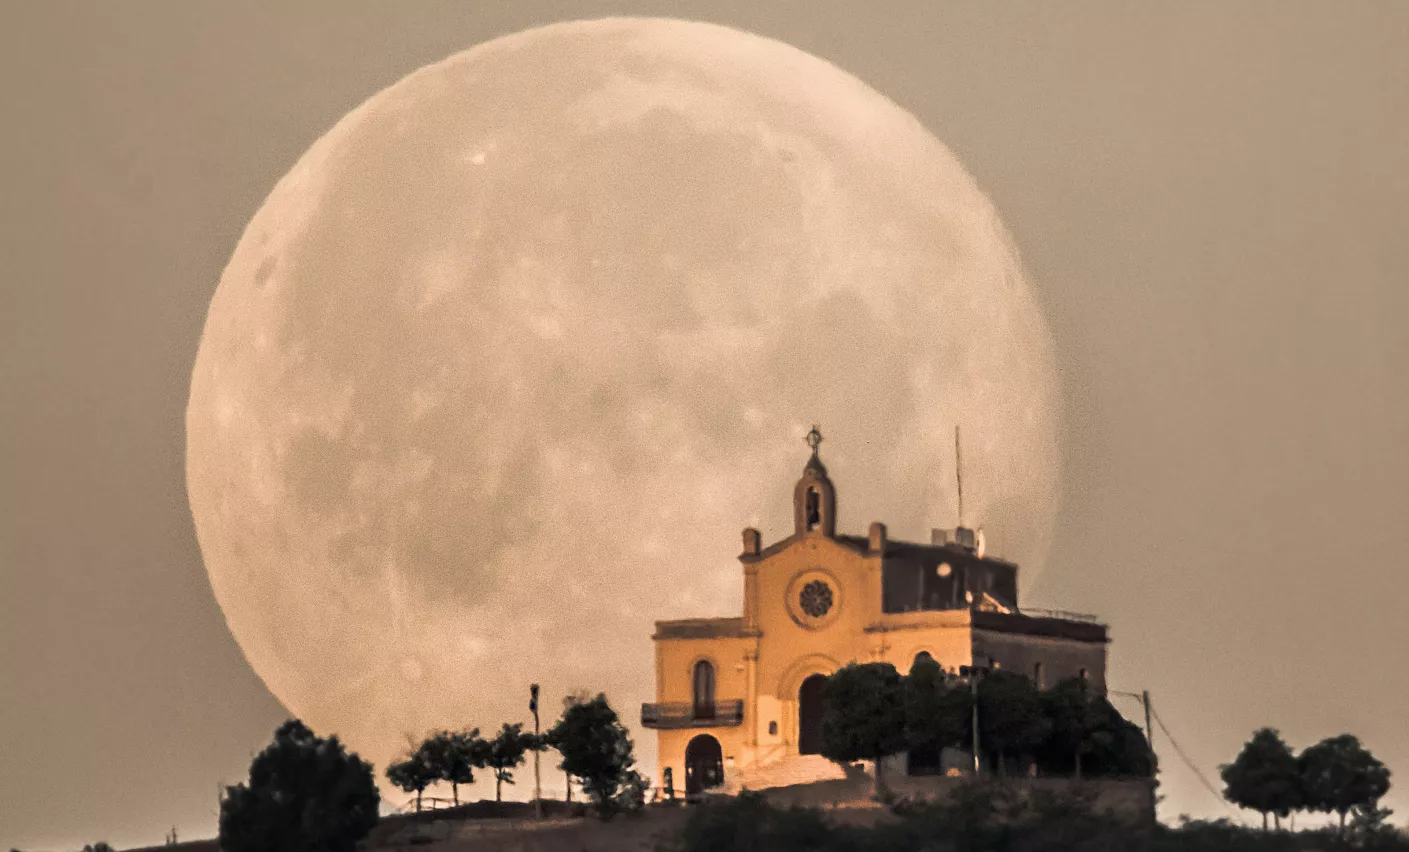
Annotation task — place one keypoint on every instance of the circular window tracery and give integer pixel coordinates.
(816, 598)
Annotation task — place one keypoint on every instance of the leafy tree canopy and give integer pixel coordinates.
(416, 772)
(936, 708)
(1339, 774)
(597, 750)
(305, 794)
(1087, 735)
(1011, 717)
(452, 756)
(1264, 777)
(505, 752)
(865, 715)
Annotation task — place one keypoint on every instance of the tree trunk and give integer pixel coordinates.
(418, 801)
(880, 776)
(1341, 833)
(1264, 820)
(455, 791)
(498, 787)
(1277, 821)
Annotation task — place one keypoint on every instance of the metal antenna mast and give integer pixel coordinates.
(959, 474)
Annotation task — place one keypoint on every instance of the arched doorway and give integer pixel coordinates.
(704, 764)
(811, 704)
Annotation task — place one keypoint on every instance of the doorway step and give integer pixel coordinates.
(785, 772)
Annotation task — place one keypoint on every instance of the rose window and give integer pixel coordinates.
(816, 598)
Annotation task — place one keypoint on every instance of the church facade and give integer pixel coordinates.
(736, 696)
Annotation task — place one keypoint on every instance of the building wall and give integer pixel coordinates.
(675, 668)
(1060, 658)
(946, 635)
(794, 646)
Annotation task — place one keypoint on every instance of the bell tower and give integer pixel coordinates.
(814, 497)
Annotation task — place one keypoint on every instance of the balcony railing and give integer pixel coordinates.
(686, 714)
(1062, 614)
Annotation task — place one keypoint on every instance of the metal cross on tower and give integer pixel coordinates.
(814, 438)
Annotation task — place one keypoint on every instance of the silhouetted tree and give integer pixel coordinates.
(1088, 736)
(936, 708)
(305, 794)
(597, 750)
(505, 752)
(577, 696)
(865, 715)
(1010, 716)
(1118, 746)
(1264, 777)
(453, 757)
(416, 772)
(1067, 708)
(100, 846)
(1338, 774)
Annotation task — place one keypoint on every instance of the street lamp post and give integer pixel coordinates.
(973, 673)
(537, 750)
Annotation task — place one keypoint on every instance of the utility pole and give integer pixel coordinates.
(537, 750)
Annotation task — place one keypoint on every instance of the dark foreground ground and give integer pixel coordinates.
(986, 819)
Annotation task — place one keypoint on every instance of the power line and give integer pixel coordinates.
(1189, 763)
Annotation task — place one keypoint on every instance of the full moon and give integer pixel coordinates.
(504, 364)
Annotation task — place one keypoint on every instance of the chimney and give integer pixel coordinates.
(752, 542)
(878, 538)
(941, 536)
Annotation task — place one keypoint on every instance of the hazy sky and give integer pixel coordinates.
(1210, 200)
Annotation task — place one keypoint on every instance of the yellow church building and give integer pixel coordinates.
(739, 701)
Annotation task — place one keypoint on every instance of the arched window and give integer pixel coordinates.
(814, 508)
(704, 690)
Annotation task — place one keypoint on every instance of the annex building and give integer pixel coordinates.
(739, 700)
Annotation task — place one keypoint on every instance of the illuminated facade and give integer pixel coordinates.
(739, 700)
